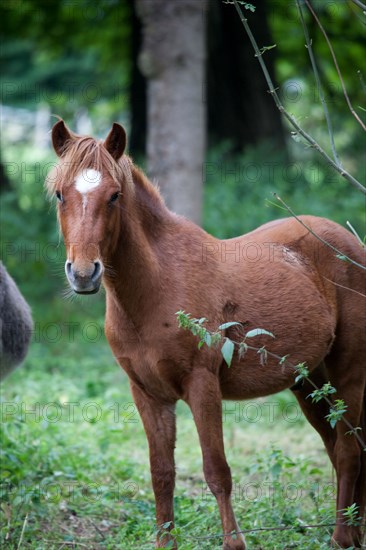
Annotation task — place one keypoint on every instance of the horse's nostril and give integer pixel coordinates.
(68, 267)
(97, 270)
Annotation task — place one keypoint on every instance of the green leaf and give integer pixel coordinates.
(257, 332)
(228, 325)
(227, 351)
(208, 339)
(342, 257)
(315, 471)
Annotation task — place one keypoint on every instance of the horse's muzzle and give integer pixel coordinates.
(87, 280)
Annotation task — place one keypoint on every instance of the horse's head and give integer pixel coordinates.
(89, 184)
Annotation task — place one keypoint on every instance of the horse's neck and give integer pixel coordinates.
(134, 266)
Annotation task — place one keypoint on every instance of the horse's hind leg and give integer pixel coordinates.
(343, 449)
(360, 495)
(347, 374)
(316, 412)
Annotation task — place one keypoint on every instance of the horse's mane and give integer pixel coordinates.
(83, 153)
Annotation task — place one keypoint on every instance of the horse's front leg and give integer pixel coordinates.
(203, 395)
(159, 423)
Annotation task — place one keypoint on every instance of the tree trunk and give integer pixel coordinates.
(173, 61)
(239, 107)
(137, 138)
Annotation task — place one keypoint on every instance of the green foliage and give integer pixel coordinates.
(71, 55)
(286, 494)
(30, 243)
(336, 412)
(326, 390)
(351, 515)
(238, 191)
(197, 328)
(337, 408)
(343, 22)
(302, 370)
(83, 480)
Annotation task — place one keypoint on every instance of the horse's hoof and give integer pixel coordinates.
(234, 544)
(167, 543)
(344, 540)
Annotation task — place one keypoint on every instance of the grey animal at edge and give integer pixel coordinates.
(15, 323)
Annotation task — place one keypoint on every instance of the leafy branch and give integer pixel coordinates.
(197, 328)
(351, 515)
(360, 4)
(337, 408)
(246, 6)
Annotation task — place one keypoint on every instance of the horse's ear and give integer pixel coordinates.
(61, 138)
(116, 141)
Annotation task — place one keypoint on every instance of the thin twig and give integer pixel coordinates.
(100, 533)
(317, 236)
(23, 530)
(363, 85)
(71, 542)
(336, 65)
(285, 362)
(359, 4)
(265, 529)
(345, 287)
(318, 83)
(355, 233)
(326, 399)
(287, 115)
(259, 529)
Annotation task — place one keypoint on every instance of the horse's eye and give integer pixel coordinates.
(114, 197)
(59, 196)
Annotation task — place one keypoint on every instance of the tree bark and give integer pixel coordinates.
(173, 61)
(137, 138)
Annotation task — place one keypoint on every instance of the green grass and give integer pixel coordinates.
(75, 462)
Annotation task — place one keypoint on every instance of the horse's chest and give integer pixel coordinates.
(154, 373)
(147, 363)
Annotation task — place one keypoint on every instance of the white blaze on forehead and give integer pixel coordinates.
(88, 180)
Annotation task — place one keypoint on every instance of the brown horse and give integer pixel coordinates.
(280, 277)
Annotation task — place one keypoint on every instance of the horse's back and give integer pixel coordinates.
(310, 240)
(331, 254)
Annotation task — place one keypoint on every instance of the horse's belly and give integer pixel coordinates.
(250, 379)
(273, 369)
